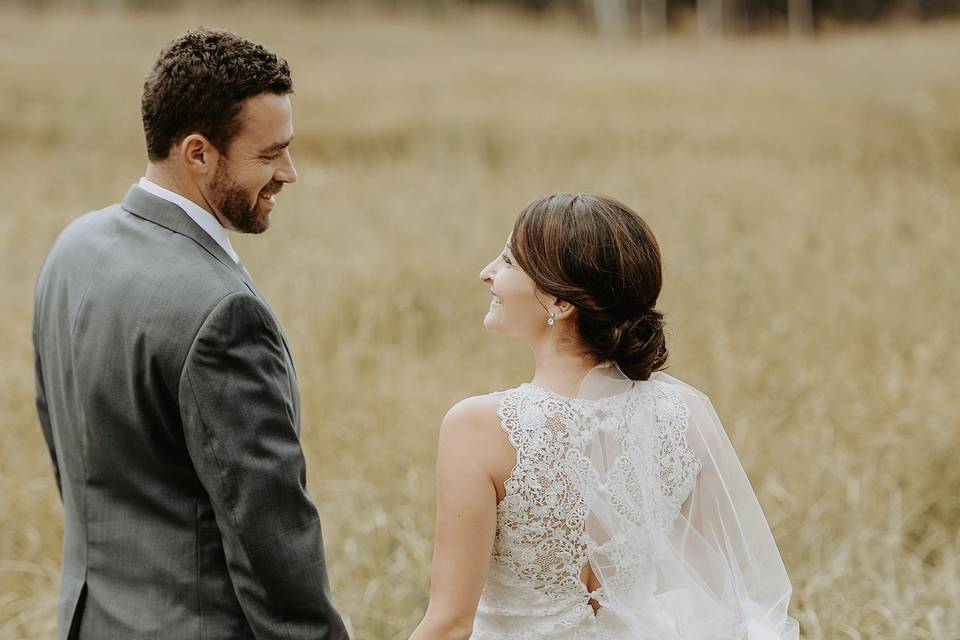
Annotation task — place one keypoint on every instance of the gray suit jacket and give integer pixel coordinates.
(169, 402)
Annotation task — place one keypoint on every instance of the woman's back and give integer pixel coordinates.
(626, 452)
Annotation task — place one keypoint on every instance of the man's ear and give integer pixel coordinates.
(199, 157)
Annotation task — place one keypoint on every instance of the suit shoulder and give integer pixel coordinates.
(93, 218)
(84, 226)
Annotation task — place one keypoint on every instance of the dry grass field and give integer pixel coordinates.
(806, 196)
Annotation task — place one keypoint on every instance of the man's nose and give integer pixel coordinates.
(286, 172)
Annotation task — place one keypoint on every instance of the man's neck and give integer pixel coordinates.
(171, 182)
(161, 178)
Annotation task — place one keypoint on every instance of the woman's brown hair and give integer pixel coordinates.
(599, 255)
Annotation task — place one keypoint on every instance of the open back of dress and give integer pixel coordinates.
(604, 486)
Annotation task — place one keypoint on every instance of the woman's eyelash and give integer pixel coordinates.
(506, 259)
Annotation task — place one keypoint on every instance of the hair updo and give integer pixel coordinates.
(599, 255)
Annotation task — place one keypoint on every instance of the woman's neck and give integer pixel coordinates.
(560, 369)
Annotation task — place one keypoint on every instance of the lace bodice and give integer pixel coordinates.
(543, 540)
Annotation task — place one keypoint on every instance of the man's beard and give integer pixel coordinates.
(234, 204)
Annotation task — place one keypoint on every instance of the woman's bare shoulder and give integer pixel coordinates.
(475, 413)
(471, 433)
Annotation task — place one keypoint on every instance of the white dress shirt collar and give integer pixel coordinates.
(207, 221)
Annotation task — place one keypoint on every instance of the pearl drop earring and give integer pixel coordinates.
(552, 320)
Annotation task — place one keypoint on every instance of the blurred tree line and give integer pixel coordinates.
(714, 17)
(622, 17)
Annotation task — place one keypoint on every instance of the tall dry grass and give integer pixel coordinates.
(806, 195)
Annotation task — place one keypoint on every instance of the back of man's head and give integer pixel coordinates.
(198, 84)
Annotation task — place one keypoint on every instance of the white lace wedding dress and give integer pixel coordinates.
(638, 480)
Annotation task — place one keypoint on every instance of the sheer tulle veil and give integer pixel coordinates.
(718, 574)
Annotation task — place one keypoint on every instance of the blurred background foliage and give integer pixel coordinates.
(620, 17)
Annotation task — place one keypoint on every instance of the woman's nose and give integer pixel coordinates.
(485, 274)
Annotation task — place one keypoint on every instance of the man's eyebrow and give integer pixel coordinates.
(277, 146)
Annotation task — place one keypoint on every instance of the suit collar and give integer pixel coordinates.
(206, 220)
(168, 215)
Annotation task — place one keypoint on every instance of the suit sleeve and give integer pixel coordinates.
(43, 413)
(237, 403)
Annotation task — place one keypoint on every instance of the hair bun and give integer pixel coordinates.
(600, 256)
(639, 346)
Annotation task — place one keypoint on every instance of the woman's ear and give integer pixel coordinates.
(563, 309)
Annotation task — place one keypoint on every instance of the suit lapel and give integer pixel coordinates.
(168, 215)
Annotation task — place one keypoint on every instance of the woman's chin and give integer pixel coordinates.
(491, 322)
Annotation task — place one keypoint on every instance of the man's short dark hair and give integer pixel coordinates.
(198, 85)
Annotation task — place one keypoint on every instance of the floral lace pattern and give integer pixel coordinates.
(534, 588)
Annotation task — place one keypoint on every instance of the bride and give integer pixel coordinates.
(603, 498)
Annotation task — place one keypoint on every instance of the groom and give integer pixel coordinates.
(165, 388)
